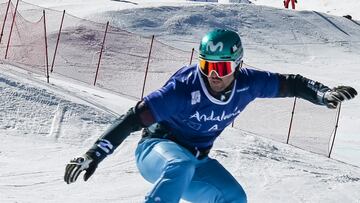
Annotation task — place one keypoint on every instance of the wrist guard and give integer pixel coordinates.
(299, 86)
(115, 135)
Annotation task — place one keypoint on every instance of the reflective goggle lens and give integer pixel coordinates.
(221, 68)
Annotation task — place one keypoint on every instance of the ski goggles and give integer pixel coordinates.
(221, 68)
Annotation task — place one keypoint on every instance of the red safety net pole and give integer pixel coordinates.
(46, 50)
(11, 28)
(291, 121)
(147, 67)
(3, 26)
(192, 54)
(57, 42)
(102, 47)
(336, 127)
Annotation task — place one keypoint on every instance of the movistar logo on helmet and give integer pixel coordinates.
(213, 48)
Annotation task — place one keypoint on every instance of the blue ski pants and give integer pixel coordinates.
(177, 174)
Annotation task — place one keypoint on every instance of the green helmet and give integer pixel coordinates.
(221, 45)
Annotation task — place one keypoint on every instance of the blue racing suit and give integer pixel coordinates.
(193, 119)
(181, 121)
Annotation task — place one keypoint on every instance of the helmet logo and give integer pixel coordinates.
(215, 47)
(234, 48)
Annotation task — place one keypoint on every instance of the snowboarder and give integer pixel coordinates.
(181, 121)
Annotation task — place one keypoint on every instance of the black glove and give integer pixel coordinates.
(77, 165)
(333, 97)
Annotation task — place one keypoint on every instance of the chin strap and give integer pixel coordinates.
(222, 96)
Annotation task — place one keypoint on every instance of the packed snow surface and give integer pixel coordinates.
(43, 125)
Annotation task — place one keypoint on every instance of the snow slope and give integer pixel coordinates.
(44, 126)
(34, 161)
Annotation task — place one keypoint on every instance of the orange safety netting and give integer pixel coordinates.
(25, 46)
(122, 70)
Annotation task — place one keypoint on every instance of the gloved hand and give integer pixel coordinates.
(77, 165)
(334, 96)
